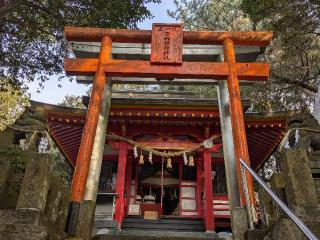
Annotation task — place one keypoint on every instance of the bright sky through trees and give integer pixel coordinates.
(52, 93)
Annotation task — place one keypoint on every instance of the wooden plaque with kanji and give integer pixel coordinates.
(166, 44)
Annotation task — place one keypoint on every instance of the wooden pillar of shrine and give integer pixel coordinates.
(180, 179)
(208, 205)
(120, 184)
(128, 183)
(199, 190)
(84, 155)
(237, 120)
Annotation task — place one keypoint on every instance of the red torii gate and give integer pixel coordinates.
(165, 63)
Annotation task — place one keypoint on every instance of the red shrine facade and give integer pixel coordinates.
(187, 188)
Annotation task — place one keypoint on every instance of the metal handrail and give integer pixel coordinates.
(284, 207)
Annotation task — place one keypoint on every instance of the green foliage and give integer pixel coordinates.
(72, 101)
(12, 103)
(126, 87)
(201, 91)
(223, 15)
(294, 54)
(15, 156)
(32, 45)
(60, 166)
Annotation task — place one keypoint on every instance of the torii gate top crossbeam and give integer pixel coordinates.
(166, 53)
(86, 34)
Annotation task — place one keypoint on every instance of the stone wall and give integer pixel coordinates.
(33, 202)
(296, 187)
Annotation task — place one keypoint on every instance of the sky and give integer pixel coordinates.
(52, 93)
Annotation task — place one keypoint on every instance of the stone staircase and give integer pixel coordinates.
(137, 228)
(157, 235)
(21, 224)
(103, 220)
(164, 224)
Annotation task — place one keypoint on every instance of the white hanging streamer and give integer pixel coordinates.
(135, 151)
(296, 138)
(185, 159)
(150, 157)
(43, 145)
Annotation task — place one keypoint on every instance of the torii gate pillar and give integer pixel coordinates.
(80, 176)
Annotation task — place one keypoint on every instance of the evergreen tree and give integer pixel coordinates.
(294, 54)
(32, 45)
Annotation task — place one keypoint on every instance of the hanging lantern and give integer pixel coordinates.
(141, 161)
(169, 165)
(191, 161)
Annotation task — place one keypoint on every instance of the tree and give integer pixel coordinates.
(294, 54)
(32, 45)
(214, 15)
(72, 101)
(12, 103)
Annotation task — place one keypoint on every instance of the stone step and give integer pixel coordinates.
(20, 216)
(104, 223)
(164, 224)
(22, 231)
(155, 235)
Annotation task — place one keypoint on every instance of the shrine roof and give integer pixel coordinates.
(264, 130)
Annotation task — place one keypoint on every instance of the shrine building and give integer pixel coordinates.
(170, 160)
(165, 121)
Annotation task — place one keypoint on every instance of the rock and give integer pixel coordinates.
(255, 234)
(86, 219)
(239, 222)
(53, 199)
(20, 216)
(5, 167)
(284, 229)
(35, 185)
(300, 188)
(63, 208)
(22, 231)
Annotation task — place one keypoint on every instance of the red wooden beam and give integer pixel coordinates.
(199, 189)
(208, 206)
(128, 183)
(137, 68)
(87, 34)
(237, 120)
(83, 160)
(79, 180)
(120, 184)
(177, 112)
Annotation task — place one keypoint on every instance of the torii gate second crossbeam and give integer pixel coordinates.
(165, 63)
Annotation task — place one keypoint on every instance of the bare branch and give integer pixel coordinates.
(309, 87)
